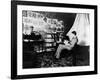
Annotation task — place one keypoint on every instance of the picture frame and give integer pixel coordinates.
(18, 71)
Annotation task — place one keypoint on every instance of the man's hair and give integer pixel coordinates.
(74, 32)
(66, 38)
(31, 27)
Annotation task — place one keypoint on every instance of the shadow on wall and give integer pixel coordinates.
(82, 43)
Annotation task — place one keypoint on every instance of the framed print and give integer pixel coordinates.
(52, 39)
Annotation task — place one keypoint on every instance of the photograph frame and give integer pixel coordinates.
(14, 45)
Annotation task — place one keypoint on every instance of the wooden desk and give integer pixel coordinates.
(33, 45)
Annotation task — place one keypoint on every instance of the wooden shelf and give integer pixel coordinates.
(51, 33)
(49, 42)
(60, 31)
(50, 46)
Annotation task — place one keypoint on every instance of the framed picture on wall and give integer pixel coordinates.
(53, 39)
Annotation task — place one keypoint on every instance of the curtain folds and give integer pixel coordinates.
(81, 26)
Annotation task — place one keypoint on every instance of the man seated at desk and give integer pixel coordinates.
(33, 36)
(32, 40)
(69, 43)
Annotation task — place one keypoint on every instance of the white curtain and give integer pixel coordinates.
(81, 26)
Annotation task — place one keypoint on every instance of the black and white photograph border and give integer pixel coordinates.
(53, 39)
